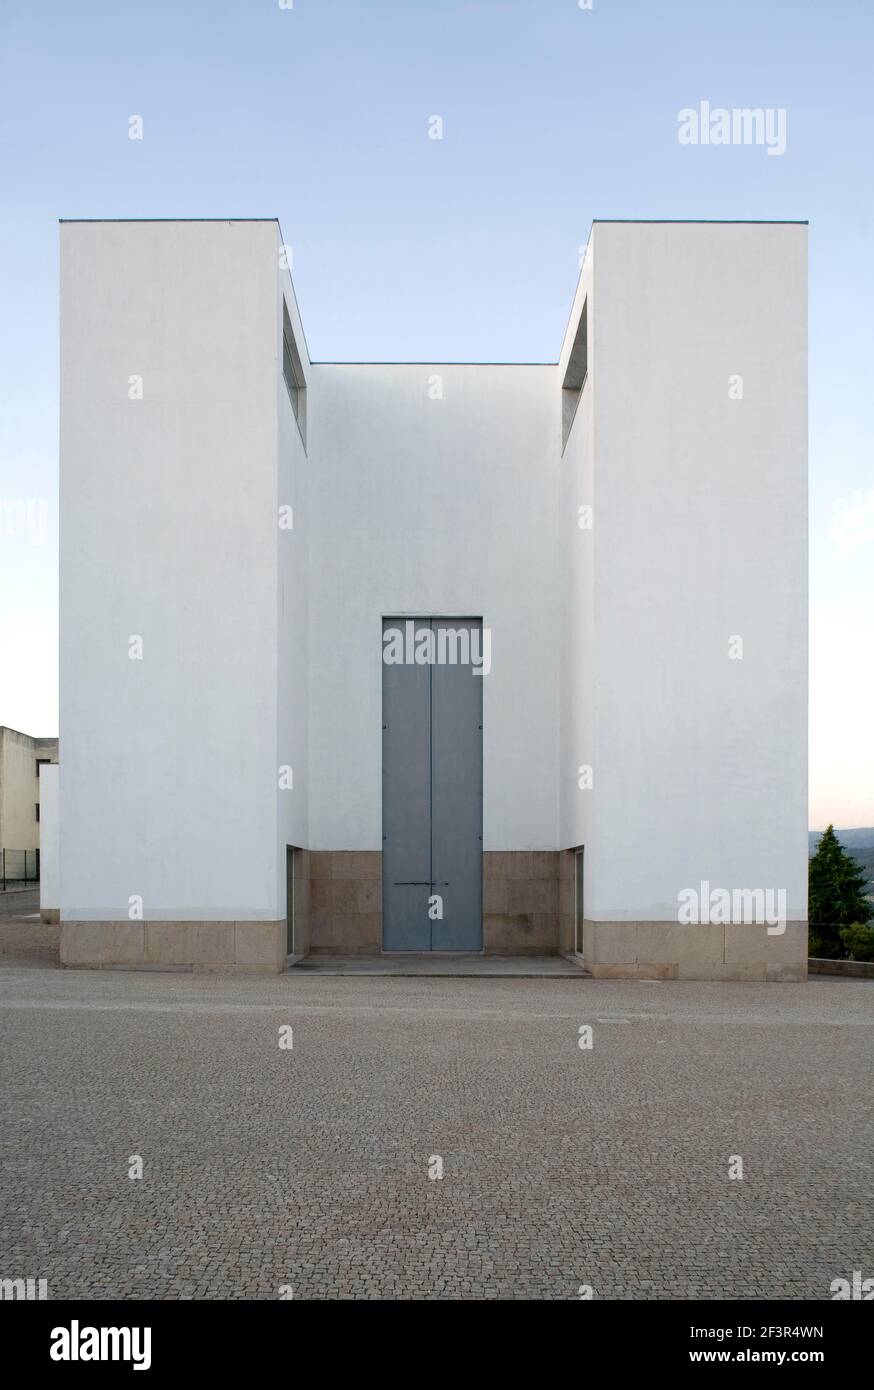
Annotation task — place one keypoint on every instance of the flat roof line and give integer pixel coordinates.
(626, 221)
(34, 738)
(430, 362)
(713, 221)
(168, 219)
(704, 221)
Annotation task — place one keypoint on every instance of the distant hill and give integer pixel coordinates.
(862, 838)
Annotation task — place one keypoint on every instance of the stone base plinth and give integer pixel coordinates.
(521, 902)
(345, 902)
(248, 947)
(710, 951)
(528, 910)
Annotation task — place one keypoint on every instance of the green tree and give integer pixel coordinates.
(836, 896)
(859, 941)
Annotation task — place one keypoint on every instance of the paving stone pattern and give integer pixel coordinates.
(266, 1167)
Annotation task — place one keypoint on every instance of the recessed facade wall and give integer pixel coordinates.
(436, 493)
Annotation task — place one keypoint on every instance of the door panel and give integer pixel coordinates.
(406, 806)
(457, 799)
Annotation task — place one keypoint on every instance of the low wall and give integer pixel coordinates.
(850, 969)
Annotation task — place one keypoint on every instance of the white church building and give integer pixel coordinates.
(414, 657)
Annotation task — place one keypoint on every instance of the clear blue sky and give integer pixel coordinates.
(410, 248)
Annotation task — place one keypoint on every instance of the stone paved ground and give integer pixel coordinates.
(267, 1167)
(18, 899)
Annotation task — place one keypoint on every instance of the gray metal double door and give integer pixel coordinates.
(432, 789)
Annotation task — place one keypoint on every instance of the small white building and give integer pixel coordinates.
(22, 756)
(268, 564)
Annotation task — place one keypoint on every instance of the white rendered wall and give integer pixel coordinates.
(262, 646)
(50, 830)
(446, 507)
(700, 536)
(577, 820)
(169, 532)
(294, 549)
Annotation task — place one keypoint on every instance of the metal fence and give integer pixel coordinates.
(19, 866)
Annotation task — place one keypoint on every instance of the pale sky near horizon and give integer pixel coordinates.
(467, 248)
